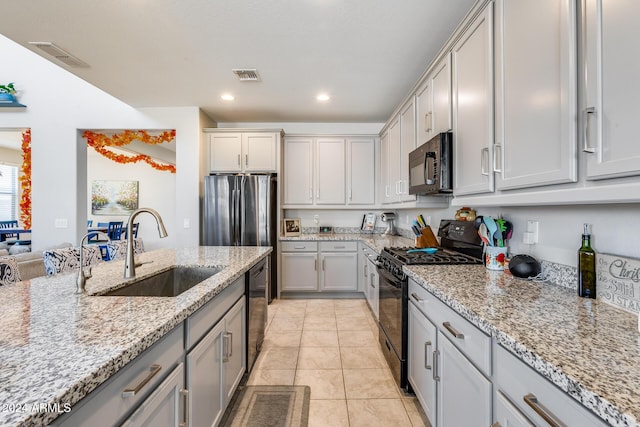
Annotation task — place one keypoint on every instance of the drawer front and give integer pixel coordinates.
(471, 341)
(115, 398)
(299, 246)
(338, 246)
(199, 323)
(534, 395)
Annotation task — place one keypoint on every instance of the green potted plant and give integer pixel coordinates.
(7, 93)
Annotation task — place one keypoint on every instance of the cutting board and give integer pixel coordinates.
(427, 239)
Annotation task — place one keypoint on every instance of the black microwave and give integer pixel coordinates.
(430, 166)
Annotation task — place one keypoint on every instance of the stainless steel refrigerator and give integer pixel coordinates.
(240, 210)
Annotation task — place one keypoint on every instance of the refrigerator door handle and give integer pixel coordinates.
(235, 216)
(241, 218)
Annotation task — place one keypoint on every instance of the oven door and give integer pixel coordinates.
(390, 308)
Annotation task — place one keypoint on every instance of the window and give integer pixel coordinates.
(8, 192)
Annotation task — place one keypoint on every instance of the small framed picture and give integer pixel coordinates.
(292, 227)
(368, 222)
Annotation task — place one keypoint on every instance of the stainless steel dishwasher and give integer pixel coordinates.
(257, 281)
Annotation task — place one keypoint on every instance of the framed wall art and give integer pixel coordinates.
(292, 227)
(114, 197)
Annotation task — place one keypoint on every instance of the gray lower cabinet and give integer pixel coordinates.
(166, 406)
(541, 402)
(215, 366)
(507, 415)
(132, 387)
(150, 390)
(422, 345)
(449, 363)
(330, 266)
(464, 394)
(462, 377)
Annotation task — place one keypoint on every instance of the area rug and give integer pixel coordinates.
(269, 406)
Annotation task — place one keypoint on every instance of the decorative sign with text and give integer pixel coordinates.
(618, 281)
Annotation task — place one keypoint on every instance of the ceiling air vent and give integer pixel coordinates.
(59, 54)
(247, 75)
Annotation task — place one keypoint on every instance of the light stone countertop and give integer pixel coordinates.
(589, 349)
(57, 346)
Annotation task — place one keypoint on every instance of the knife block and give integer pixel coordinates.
(426, 239)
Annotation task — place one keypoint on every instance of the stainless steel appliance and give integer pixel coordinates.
(459, 244)
(430, 166)
(240, 210)
(257, 280)
(389, 217)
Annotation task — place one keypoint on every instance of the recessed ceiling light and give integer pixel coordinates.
(228, 97)
(323, 97)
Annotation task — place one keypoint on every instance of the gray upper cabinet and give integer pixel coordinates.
(612, 65)
(472, 75)
(535, 93)
(433, 102)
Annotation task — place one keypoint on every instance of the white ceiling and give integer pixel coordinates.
(366, 54)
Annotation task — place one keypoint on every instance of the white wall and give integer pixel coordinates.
(615, 228)
(155, 189)
(58, 105)
(334, 218)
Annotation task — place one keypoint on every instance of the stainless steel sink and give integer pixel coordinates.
(169, 283)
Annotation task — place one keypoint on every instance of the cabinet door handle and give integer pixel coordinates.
(371, 283)
(427, 344)
(434, 372)
(531, 400)
(386, 191)
(496, 424)
(588, 112)
(497, 154)
(239, 160)
(453, 330)
(227, 344)
(427, 122)
(323, 264)
(310, 193)
(246, 160)
(366, 270)
(416, 297)
(184, 392)
(484, 161)
(299, 247)
(132, 391)
(339, 247)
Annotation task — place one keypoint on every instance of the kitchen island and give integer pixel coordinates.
(587, 348)
(58, 346)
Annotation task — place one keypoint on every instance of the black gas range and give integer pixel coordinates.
(459, 244)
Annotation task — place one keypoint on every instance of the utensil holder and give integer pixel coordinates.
(426, 239)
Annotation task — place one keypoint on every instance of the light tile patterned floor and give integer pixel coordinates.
(332, 346)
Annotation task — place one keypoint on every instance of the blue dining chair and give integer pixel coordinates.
(114, 230)
(9, 224)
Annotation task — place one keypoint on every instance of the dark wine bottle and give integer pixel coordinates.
(586, 266)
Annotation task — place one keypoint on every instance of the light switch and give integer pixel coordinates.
(187, 223)
(61, 223)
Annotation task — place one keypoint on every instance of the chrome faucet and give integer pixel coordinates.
(129, 261)
(81, 281)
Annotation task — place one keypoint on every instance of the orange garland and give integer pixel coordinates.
(25, 181)
(100, 141)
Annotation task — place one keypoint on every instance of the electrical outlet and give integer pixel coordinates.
(316, 219)
(530, 236)
(186, 223)
(61, 223)
(427, 219)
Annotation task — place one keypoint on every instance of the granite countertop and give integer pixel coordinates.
(57, 346)
(588, 348)
(375, 241)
